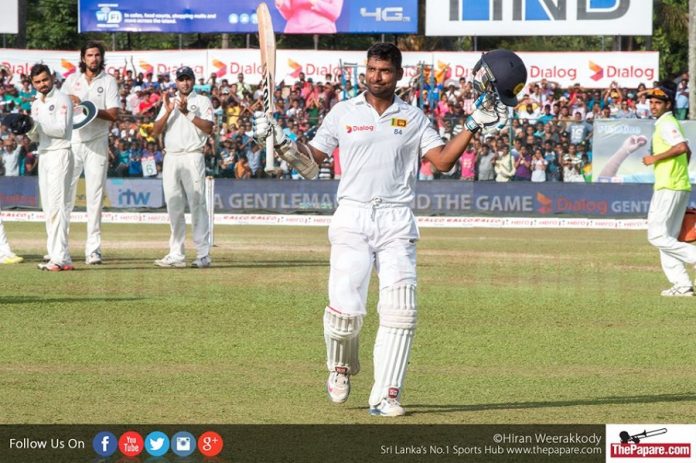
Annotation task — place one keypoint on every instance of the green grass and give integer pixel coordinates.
(515, 326)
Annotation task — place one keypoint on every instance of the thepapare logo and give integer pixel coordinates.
(359, 128)
(545, 203)
(538, 10)
(598, 71)
(296, 68)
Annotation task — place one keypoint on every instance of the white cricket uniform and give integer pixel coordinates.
(374, 224)
(5, 249)
(380, 156)
(90, 146)
(183, 175)
(53, 117)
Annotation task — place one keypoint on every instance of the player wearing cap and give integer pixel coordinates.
(187, 120)
(670, 158)
(52, 115)
(90, 144)
(382, 139)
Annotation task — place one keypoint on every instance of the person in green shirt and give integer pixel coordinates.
(670, 155)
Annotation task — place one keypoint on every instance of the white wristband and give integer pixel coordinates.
(190, 116)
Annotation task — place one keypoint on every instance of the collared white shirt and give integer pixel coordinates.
(54, 119)
(102, 91)
(11, 161)
(380, 155)
(182, 136)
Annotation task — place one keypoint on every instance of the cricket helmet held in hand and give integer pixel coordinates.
(18, 124)
(502, 72)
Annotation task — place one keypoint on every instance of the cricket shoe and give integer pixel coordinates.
(11, 259)
(51, 267)
(202, 262)
(94, 259)
(678, 291)
(46, 258)
(338, 385)
(389, 406)
(171, 262)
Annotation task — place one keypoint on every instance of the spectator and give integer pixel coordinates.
(504, 169)
(467, 162)
(523, 165)
(682, 100)
(241, 169)
(11, 157)
(579, 131)
(539, 165)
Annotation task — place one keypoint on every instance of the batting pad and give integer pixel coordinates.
(397, 325)
(342, 334)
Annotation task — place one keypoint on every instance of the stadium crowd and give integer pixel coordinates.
(548, 139)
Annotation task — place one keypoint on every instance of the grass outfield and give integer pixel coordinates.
(515, 326)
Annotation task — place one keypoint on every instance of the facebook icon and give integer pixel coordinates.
(105, 444)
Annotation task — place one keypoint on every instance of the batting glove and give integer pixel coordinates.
(490, 112)
(263, 126)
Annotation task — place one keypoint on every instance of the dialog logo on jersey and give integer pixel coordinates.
(105, 444)
(359, 128)
(210, 444)
(157, 443)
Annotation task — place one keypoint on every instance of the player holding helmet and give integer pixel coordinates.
(382, 139)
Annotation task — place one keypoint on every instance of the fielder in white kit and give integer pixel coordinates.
(187, 120)
(90, 144)
(382, 139)
(6, 254)
(52, 115)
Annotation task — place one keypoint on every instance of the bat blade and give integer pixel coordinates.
(267, 45)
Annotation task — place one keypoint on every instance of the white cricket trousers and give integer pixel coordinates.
(5, 249)
(93, 158)
(183, 179)
(363, 234)
(55, 175)
(665, 217)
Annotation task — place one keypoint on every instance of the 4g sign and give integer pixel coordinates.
(389, 14)
(538, 17)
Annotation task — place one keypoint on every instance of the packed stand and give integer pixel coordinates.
(548, 139)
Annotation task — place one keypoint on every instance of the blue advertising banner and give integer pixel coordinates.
(289, 16)
(454, 198)
(133, 193)
(448, 198)
(19, 192)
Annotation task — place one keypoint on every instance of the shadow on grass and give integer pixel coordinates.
(58, 300)
(618, 400)
(148, 264)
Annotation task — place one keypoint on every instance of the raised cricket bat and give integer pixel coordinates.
(267, 45)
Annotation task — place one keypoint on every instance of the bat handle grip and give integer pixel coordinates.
(270, 158)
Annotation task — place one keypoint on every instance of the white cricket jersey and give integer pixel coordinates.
(102, 91)
(54, 119)
(379, 154)
(182, 136)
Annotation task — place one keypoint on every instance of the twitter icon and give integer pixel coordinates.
(157, 443)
